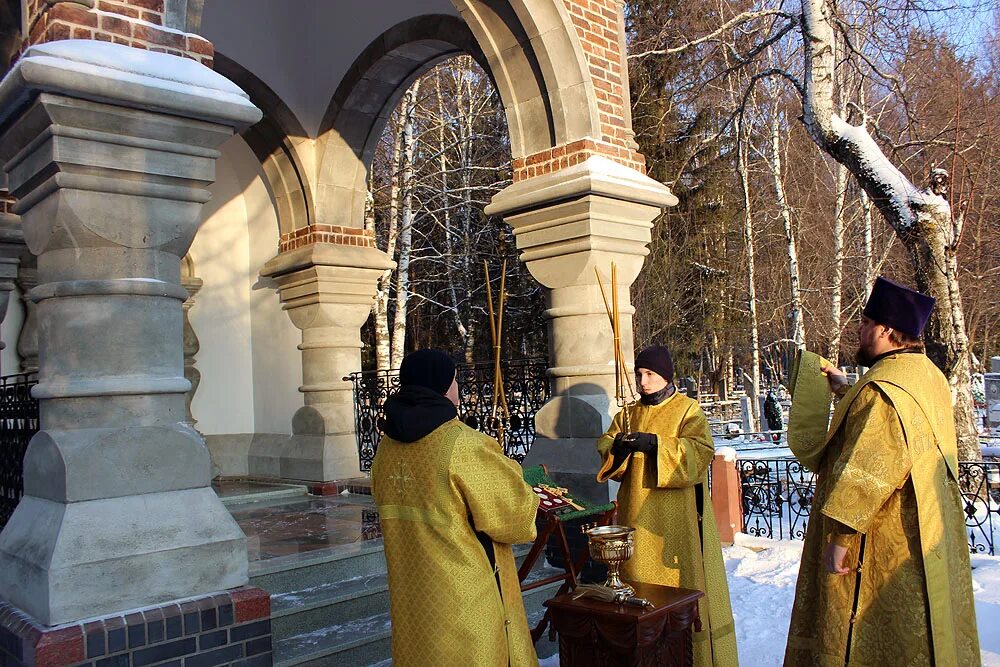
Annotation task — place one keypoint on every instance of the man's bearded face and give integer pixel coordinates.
(866, 342)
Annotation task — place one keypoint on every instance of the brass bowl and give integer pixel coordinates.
(612, 545)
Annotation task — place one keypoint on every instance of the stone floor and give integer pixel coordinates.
(306, 524)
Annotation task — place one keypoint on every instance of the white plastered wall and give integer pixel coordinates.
(249, 363)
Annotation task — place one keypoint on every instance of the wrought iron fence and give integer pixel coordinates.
(980, 484)
(778, 496)
(18, 422)
(525, 383)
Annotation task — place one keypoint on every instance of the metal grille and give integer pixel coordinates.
(18, 423)
(778, 496)
(525, 384)
(980, 484)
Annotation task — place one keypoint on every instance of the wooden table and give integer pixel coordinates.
(603, 634)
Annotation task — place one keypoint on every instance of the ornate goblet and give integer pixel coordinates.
(613, 545)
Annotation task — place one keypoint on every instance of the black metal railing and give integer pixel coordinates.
(778, 495)
(980, 484)
(525, 383)
(18, 422)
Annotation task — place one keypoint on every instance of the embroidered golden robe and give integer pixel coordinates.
(674, 546)
(432, 496)
(888, 474)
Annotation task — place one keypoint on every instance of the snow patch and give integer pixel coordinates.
(727, 453)
(90, 54)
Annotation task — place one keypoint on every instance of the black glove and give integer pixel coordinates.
(619, 448)
(640, 442)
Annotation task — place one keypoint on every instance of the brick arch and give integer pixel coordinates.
(273, 141)
(529, 48)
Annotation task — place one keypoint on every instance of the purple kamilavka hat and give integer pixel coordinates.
(899, 307)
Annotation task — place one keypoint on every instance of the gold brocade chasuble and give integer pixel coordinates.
(432, 495)
(674, 546)
(887, 471)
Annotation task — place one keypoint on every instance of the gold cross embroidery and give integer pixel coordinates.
(400, 478)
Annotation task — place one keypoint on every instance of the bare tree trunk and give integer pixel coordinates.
(869, 251)
(837, 288)
(405, 229)
(465, 148)
(748, 240)
(922, 219)
(774, 162)
(383, 337)
(449, 233)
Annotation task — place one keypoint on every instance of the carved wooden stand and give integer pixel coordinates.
(603, 634)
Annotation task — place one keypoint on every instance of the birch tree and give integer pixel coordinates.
(921, 217)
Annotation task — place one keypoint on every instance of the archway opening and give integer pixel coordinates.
(444, 153)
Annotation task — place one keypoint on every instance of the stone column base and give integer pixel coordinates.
(233, 626)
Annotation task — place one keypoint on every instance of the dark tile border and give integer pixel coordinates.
(229, 627)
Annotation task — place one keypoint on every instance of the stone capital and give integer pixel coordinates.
(569, 222)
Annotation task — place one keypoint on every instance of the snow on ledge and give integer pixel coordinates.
(142, 62)
(125, 76)
(728, 453)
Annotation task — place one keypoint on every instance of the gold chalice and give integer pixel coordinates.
(613, 545)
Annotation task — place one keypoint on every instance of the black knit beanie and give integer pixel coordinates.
(429, 368)
(657, 359)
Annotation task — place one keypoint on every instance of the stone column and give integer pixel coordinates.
(109, 152)
(11, 250)
(567, 224)
(328, 291)
(192, 284)
(27, 339)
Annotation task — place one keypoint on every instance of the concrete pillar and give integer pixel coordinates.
(328, 291)
(567, 223)
(727, 495)
(192, 284)
(27, 339)
(109, 152)
(11, 250)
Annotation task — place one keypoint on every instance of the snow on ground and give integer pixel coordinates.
(762, 577)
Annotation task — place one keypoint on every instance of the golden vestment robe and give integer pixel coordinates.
(674, 546)
(432, 496)
(887, 480)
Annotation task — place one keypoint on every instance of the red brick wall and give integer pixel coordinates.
(597, 24)
(137, 23)
(317, 233)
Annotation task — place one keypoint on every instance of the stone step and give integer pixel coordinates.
(298, 572)
(335, 602)
(329, 604)
(366, 641)
(274, 492)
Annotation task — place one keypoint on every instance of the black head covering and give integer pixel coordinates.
(657, 359)
(429, 368)
(420, 406)
(898, 307)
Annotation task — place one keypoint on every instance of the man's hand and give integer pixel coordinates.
(640, 442)
(833, 559)
(619, 448)
(836, 378)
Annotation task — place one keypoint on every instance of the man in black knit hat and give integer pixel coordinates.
(450, 505)
(662, 461)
